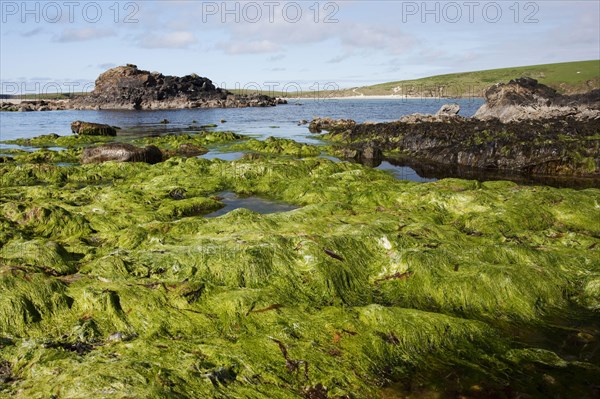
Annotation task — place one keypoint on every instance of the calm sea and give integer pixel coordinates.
(279, 121)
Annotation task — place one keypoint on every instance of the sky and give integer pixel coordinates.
(49, 46)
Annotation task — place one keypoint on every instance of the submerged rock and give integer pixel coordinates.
(526, 99)
(93, 129)
(121, 152)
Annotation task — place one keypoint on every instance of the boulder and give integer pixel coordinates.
(526, 99)
(317, 125)
(121, 152)
(93, 129)
(449, 110)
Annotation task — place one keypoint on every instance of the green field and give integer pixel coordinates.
(567, 78)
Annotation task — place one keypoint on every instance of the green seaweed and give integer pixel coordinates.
(201, 138)
(278, 146)
(114, 284)
(54, 140)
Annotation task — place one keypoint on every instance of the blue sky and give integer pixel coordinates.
(270, 44)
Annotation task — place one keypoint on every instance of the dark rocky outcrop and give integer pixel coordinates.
(93, 129)
(33, 105)
(127, 87)
(121, 152)
(526, 99)
(546, 147)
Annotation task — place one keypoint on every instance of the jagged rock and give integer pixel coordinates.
(449, 109)
(317, 125)
(526, 99)
(92, 129)
(121, 152)
(127, 87)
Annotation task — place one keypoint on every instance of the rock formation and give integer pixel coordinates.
(526, 99)
(93, 129)
(121, 152)
(127, 87)
(317, 125)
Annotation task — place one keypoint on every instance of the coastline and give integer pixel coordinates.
(379, 97)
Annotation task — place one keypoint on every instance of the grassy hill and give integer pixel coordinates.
(567, 78)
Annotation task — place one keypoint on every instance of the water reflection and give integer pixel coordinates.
(256, 204)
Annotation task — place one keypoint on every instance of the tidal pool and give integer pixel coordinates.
(255, 204)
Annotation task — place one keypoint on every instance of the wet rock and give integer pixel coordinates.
(368, 155)
(317, 125)
(552, 147)
(449, 109)
(93, 129)
(121, 152)
(440, 116)
(526, 99)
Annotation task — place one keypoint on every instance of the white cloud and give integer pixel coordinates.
(83, 34)
(176, 40)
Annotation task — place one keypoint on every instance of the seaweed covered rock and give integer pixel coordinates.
(93, 129)
(317, 125)
(121, 152)
(525, 99)
(551, 147)
(278, 146)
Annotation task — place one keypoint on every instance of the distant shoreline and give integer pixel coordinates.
(379, 97)
(324, 98)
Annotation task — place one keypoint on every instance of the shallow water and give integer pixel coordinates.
(249, 121)
(280, 121)
(225, 156)
(255, 204)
